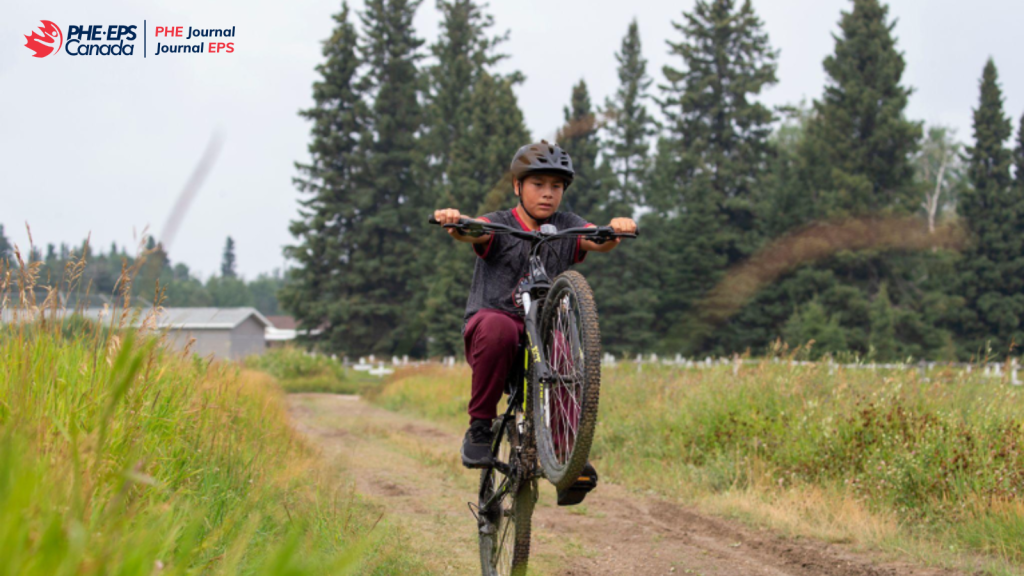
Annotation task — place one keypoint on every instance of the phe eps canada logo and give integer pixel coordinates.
(42, 42)
(122, 39)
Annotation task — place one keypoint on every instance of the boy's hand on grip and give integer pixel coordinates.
(449, 216)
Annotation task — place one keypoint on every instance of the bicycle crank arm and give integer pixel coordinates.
(502, 467)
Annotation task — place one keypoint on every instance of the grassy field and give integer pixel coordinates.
(298, 371)
(932, 468)
(120, 457)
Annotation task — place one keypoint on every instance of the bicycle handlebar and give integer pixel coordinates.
(599, 234)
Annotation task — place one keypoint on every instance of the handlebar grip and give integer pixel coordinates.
(462, 221)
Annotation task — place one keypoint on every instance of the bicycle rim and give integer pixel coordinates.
(505, 529)
(565, 411)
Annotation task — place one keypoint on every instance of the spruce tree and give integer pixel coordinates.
(627, 308)
(228, 292)
(386, 271)
(1018, 159)
(5, 246)
(478, 185)
(475, 126)
(322, 290)
(630, 126)
(588, 195)
(883, 328)
(463, 52)
(154, 273)
(498, 109)
(855, 159)
(712, 161)
(227, 261)
(859, 142)
(812, 325)
(991, 272)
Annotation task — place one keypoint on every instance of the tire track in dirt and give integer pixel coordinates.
(411, 469)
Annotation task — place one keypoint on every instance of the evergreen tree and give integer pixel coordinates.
(227, 262)
(479, 184)
(154, 273)
(385, 271)
(630, 126)
(475, 127)
(1018, 159)
(991, 272)
(713, 159)
(463, 53)
(859, 142)
(498, 109)
(264, 290)
(51, 254)
(588, 195)
(883, 327)
(228, 292)
(188, 292)
(5, 246)
(855, 159)
(322, 288)
(813, 325)
(627, 308)
(784, 204)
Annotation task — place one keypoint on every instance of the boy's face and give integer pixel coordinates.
(542, 193)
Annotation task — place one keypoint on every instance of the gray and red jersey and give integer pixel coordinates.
(504, 261)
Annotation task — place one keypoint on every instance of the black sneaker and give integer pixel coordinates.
(476, 446)
(578, 491)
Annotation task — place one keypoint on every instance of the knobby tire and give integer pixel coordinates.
(505, 545)
(565, 413)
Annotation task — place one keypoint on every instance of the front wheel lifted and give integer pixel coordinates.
(504, 525)
(565, 410)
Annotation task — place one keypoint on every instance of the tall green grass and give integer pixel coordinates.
(944, 456)
(118, 456)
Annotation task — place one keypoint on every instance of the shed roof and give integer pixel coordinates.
(174, 318)
(208, 318)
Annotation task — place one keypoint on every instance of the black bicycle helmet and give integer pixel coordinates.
(542, 157)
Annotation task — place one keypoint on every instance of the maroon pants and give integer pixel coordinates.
(491, 337)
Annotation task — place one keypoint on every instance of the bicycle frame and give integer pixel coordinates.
(532, 292)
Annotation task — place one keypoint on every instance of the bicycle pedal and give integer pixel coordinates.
(577, 492)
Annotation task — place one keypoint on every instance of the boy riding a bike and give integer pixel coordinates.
(493, 323)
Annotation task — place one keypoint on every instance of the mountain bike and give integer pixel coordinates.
(553, 392)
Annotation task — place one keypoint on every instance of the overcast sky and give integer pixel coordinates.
(104, 145)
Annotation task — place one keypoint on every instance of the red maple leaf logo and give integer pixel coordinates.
(42, 44)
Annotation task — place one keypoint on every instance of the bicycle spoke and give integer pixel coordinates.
(506, 545)
(563, 404)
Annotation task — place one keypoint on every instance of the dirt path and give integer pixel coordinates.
(410, 467)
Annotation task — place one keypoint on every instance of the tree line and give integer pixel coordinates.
(843, 222)
(97, 275)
